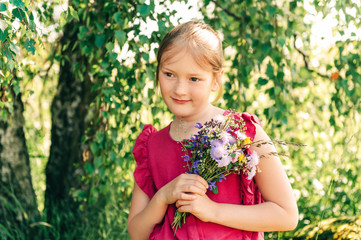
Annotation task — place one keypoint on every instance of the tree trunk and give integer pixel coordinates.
(17, 196)
(69, 110)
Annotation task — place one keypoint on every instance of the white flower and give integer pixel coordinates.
(253, 160)
(251, 173)
(224, 161)
(241, 135)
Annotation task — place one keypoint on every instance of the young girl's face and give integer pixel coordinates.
(185, 85)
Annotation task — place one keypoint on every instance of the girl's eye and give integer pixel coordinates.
(194, 79)
(168, 74)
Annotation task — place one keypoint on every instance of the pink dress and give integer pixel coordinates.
(159, 160)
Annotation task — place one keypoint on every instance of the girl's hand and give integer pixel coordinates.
(202, 207)
(183, 187)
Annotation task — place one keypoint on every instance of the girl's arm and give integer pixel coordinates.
(278, 212)
(145, 213)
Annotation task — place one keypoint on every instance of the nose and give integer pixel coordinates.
(180, 87)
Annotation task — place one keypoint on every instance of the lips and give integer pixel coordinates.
(179, 101)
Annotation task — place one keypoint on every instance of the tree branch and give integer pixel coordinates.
(239, 18)
(305, 60)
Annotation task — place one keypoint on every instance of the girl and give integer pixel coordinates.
(189, 70)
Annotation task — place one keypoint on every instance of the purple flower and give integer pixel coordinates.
(194, 137)
(204, 138)
(198, 125)
(186, 158)
(227, 138)
(195, 164)
(196, 171)
(211, 185)
(221, 177)
(217, 149)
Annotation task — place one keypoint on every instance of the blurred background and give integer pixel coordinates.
(77, 86)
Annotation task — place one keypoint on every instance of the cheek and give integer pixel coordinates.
(164, 86)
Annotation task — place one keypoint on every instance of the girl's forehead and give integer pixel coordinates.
(175, 55)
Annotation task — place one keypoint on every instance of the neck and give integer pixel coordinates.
(183, 127)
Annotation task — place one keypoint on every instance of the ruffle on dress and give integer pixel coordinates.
(249, 190)
(142, 175)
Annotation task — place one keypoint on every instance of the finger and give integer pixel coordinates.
(202, 181)
(182, 202)
(193, 188)
(197, 178)
(186, 208)
(187, 196)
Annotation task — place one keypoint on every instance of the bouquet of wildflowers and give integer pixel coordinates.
(219, 148)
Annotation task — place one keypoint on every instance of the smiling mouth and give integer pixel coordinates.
(180, 101)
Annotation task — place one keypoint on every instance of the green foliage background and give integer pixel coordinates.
(267, 73)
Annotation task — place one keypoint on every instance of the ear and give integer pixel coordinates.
(217, 80)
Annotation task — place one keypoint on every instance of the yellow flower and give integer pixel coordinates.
(242, 159)
(247, 141)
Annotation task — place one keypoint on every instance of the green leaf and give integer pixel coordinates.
(81, 194)
(120, 36)
(109, 46)
(269, 71)
(277, 90)
(73, 13)
(82, 31)
(17, 3)
(89, 169)
(8, 53)
(99, 40)
(143, 39)
(94, 147)
(4, 35)
(3, 7)
(30, 45)
(262, 81)
(293, 5)
(105, 114)
(268, 27)
(145, 56)
(215, 189)
(265, 48)
(271, 10)
(19, 14)
(143, 9)
(281, 41)
(16, 89)
(98, 161)
(113, 56)
(117, 17)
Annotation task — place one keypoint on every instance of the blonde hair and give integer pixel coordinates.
(201, 41)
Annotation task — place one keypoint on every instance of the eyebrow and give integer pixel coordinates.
(190, 74)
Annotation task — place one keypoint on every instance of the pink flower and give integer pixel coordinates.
(235, 158)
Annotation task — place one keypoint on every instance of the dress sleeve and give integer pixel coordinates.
(142, 174)
(250, 119)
